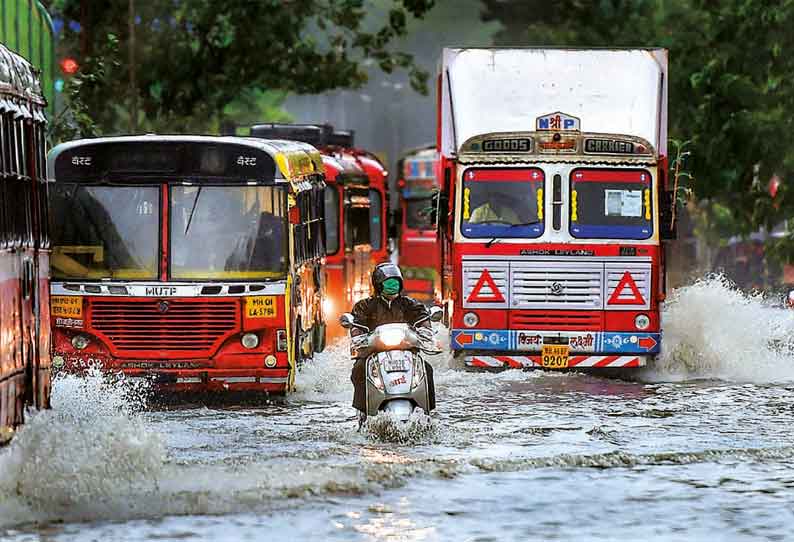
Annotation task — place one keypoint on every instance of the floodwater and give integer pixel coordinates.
(699, 448)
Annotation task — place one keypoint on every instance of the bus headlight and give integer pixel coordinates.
(642, 322)
(470, 319)
(250, 340)
(80, 342)
(270, 361)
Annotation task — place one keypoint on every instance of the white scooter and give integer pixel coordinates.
(396, 380)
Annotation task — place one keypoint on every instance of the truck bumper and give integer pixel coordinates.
(589, 361)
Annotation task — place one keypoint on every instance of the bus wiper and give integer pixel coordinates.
(520, 224)
(192, 210)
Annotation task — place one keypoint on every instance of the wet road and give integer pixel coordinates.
(700, 448)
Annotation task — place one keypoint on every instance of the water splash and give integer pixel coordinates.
(419, 428)
(77, 457)
(713, 330)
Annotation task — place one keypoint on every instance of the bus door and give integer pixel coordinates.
(357, 242)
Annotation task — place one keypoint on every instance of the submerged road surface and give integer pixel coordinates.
(700, 448)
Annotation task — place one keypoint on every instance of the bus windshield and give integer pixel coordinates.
(228, 232)
(611, 204)
(104, 232)
(502, 203)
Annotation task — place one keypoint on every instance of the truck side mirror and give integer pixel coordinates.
(667, 224)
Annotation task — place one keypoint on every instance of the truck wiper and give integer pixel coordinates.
(495, 239)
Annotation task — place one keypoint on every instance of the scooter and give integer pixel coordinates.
(396, 380)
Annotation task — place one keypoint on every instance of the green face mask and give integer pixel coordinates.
(391, 286)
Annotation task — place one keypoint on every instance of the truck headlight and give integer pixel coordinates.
(80, 342)
(250, 340)
(470, 319)
(270, 361)
(642, 322)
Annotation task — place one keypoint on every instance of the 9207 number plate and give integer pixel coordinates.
(394, 365)
(554, 356)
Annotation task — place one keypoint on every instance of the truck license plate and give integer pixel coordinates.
(554, 356)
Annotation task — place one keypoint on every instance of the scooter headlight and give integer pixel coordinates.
(392, 337)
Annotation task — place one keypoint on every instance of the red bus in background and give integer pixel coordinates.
(418, 249)
(193, 260)
(24, 245)
(356, 203)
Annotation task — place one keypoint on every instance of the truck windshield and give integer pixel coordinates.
(611, 204)
(228, 232)
(502, 203)
(105, 231)
(418, 214)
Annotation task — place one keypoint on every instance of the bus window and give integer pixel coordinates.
(228, 232)
(356, 227)
(331, 219)
(418, 213)
(105, 231)
(375, 202)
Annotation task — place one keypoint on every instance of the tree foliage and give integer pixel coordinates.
(193, 58)
(730, 91)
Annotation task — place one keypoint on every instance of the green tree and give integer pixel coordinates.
(729, 86)
(182, 63)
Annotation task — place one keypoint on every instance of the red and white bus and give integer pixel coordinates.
(553, 205)
(356, 202)
(417, 246)
(195, 260)
(24, 245)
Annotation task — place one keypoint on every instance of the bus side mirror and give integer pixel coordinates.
(668, 230)
(436, 314)
(346, 320)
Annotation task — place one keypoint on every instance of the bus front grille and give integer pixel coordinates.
(163, 327)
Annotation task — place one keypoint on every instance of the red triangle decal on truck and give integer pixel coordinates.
(626, 282)
(476, 295)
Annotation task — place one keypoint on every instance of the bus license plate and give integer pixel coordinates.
(554, 356)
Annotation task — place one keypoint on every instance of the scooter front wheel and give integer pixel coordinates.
(399, 409)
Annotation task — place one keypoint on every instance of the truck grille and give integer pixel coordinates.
(554, 285)
(559, 285)
(557, 320)
(187, 325)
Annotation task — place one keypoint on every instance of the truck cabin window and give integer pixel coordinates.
(502, 203)
(611, 204)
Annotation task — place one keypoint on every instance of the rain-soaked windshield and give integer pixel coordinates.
(611, 204)
(228, 232)
(502, 203)
(105, 232)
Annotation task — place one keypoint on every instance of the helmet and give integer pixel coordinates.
(385, 271)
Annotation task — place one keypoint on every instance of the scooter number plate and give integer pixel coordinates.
(392, 365)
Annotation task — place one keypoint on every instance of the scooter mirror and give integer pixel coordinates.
(346, 320)
(436, 314)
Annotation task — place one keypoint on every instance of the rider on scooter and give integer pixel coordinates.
(387, 306)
